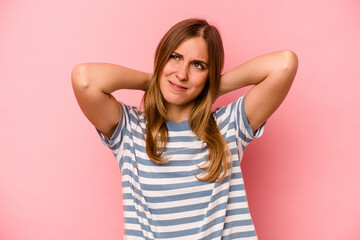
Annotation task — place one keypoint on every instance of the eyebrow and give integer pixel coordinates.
(195, 60)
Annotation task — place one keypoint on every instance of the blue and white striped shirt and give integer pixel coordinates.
(166, 201)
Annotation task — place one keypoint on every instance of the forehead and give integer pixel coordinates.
(194, 48)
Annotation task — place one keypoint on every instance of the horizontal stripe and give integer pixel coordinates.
(166, 201)
(180, 209)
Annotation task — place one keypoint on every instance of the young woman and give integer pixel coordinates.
(180, 162)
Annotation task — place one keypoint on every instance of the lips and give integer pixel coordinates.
(176, 86)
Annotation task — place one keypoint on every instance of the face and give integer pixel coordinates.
(185, 74)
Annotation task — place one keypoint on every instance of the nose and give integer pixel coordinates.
(181, 72)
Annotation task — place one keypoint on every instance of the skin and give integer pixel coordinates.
(271, 74)
(184, 77)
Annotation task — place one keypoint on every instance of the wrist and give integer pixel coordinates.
(147, 81)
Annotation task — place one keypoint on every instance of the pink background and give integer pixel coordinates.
(57, 180)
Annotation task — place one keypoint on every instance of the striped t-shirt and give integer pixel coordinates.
(166, 201)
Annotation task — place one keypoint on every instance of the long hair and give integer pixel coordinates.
(201, 119)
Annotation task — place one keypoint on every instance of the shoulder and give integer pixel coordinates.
(233, 116)
(131, 118)
(232, 108)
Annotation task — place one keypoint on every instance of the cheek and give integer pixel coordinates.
(163, 76)
(200, 80)
(162, 82)
(168, 69)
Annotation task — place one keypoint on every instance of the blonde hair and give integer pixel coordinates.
(201, 120)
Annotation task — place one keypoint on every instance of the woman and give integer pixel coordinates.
(180, 162)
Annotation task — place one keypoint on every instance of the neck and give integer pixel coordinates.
(178, 113)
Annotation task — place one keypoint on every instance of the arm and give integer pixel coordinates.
(272, 74)
(93, 84)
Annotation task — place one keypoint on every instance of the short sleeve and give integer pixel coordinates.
(233, 117)
(117, 136)
(244, 123)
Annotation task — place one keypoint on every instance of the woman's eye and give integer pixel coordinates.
(198, 65)
(175, 57)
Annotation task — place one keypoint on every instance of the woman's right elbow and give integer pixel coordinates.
(78, 76)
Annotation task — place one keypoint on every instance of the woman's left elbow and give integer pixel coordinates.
(290, 62)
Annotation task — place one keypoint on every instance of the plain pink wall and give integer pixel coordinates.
(57, 180)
